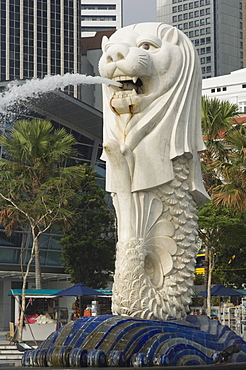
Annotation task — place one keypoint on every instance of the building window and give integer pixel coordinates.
(202, 12)
(208, 49)
(242, 106)
(197, 23)
(185, 6)
(207, 2)
(191, 24)
(207, 20)
(191, 33)
(218, 89)
(196, 4)
(185, 15)
(185, 26)
(202, 60)
(180, 8)
(180, 17)
(196, 13)
(190, 5)
(202, 2)
(208, 30)
(196, 42)
(175, 18)
(208, 59)
(202, 41)
(180, 26)
(207, 11)
(203, 70)
(224, 88)
(175, 8)
(202, 50)
(202, 31)
(212, 90)
(191, 14)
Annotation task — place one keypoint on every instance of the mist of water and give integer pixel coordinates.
(33, 88)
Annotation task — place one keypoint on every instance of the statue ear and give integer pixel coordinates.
(172, 36)
(104, 42)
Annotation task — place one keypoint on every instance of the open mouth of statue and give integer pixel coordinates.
(130, 86)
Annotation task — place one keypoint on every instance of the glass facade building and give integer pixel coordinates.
(38, 38)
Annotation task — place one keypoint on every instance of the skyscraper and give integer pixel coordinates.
(39, 37)
(214, 26)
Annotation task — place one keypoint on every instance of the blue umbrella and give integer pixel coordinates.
(221, 291)
(78, 289)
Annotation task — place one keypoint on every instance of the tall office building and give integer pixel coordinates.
(100, 16)
(39, 37)
(214, 26)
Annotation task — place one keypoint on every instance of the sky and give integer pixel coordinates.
(137, 11)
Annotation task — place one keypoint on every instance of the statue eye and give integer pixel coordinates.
(147, 46)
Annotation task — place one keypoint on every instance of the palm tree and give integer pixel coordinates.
(231, 192)
(37, 188)
(216, 119)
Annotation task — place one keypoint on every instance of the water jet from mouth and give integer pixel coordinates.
(17, 91)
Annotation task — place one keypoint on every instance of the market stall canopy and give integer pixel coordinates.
(78, 289)
(221, 291)
(38, 293)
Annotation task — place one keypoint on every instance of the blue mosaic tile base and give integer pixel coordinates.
(117, 341)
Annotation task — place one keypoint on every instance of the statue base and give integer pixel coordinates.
(122, 341)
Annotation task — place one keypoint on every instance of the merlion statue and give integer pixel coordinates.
(152, 139)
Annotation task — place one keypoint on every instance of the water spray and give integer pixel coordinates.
(18, 91)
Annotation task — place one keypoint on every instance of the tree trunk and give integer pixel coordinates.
(23, 297)
(22, 309)
(206, 272)
(37, 263)
(210, 267)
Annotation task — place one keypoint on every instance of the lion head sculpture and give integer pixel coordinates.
(156, 112)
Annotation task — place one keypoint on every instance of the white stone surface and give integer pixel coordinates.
(152, 137)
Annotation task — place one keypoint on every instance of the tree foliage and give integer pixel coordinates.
(221, 222)
(231, 192)
(36, 186)
(89, 248)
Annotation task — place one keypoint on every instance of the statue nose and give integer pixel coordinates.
(117, 52)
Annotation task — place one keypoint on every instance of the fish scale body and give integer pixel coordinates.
(135, 291)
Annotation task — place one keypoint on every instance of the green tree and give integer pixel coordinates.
(216, 118)
(221, 232)
(231, 192)
(92, 239)
(36, 186)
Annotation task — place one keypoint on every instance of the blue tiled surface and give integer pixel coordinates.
(125, 341)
